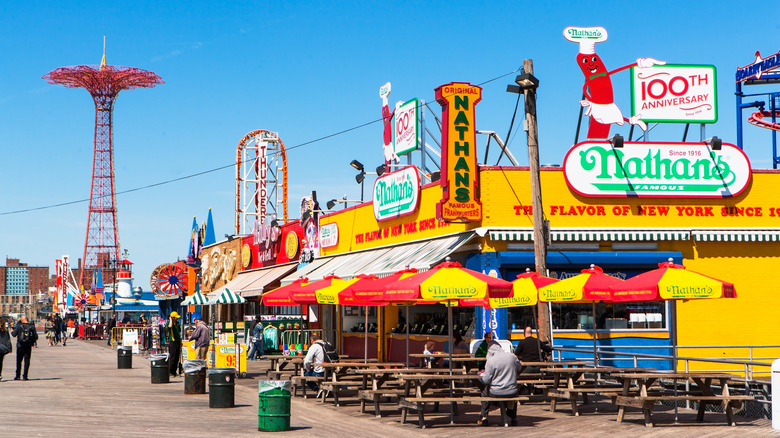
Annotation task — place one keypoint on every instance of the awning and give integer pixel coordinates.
(737, 235)
(594, 234)
(251, 283)
(227, 297)
(385, 260)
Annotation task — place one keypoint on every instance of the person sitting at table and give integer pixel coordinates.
(312, 363)
(458, 344)
(429, 361)
(529, 349)
(484, 347)
(500, 380)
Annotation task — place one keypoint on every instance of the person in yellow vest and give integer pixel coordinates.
(173, 331)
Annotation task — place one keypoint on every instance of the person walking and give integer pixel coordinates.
(5, 344)
(26, 338)
(57, 328)
(64, 331)
(173, 330)
(257, 340)
(200, 338)
(48, 330)
(110, 328)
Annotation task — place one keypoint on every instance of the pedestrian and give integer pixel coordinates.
(72, 327)
(312, 363)
(5, 344)
(200, 337)
(257, 340)
(48, 330)
(26, 338)
(174, 343)
(500, 380)
(57, 328)
(64, 331)
(110, 328)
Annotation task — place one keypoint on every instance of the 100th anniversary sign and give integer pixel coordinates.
(656, 170)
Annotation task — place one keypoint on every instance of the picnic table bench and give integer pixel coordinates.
(569, 384)
(418, 403)
(645, 399)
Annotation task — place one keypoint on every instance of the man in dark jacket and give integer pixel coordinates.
(529, 350)
(200, 338)
(26, 338)
(110, 327)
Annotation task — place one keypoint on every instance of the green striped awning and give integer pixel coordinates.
(737, 235)
(227, 297)
(594, 235)
(196, 299)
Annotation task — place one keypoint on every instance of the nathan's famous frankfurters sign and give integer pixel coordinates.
(656, 170)
(396, 194)
(459, 172)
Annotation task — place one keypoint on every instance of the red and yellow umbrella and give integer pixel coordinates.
(281, 295)
(671, 282)
(446, 282)
(340, 292)
(588, 287)
(307, 294)
(525, 292)
(372, 292)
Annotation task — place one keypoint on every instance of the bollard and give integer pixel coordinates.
(160, 369)
(776, 394)
(124, 358)
(222, 387)
(195, 376)
(273, 405)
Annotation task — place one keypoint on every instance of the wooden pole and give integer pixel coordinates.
(540, 241)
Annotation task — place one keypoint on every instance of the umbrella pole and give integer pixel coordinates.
(365, 339)
(407, 336)
(538, 341)
(449, 335)
(595, 351)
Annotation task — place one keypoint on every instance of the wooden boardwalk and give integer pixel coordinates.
(77, 391)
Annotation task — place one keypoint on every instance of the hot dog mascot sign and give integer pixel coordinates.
(597, 90)
(459, 170)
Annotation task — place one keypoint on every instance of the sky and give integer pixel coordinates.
(308, 71)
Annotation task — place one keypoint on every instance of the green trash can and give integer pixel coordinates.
(273, 410)
(124, 358)
(195, 376)
(160, 369)
(222, 387)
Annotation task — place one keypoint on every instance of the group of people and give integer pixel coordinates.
(26, 338)
(200, 337)
(58, 330)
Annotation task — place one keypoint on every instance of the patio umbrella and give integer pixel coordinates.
(197, 299)
(307, 294)
(525, 292)
(590, 286)
(373, 291)
(227, 296)
(671, 282)
(281, 295)
(448, 282)
(340, 293)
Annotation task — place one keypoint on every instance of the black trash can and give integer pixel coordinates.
(124, 358)
(195, 376)
(222, 387)
(160, 369)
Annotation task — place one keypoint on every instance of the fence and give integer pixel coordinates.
(303, 336)
(754, 374)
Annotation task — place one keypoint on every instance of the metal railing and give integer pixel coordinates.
(302, 336)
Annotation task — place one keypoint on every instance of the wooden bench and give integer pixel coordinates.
(329, 387)
(646, 403)
(572, 394)
(301, 381)
(375, 396)
(280, 375)
(418, 403)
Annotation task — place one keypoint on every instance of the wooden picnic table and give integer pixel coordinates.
(434, 357)
(645, 398)
(568, 383)
(278, 363)
(337, 370)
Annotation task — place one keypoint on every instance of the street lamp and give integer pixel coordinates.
(360, 177)
(527, 84)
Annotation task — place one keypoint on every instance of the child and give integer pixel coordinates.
(429, 361)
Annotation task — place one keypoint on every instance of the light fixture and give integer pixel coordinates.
(360, 177)
(616, 141)
(527, 81)
(357, 165)
(715, 143)
(380, 170)
(331, 204)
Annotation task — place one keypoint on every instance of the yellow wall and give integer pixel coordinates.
(754, 267)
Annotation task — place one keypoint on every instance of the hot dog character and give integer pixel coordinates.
(599, 98)
(387, 121)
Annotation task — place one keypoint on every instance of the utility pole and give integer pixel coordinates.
(540, 227)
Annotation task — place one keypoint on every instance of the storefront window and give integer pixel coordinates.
(609, 316)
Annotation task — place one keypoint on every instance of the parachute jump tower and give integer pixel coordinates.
(104, 83)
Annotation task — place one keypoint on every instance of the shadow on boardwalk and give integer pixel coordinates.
(77, 391)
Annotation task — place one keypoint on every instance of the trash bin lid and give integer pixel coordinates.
(268, 385)
(159, 356)
(192, 365)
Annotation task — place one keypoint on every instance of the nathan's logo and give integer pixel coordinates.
(656, 170)
(459, 173)
(508, 302)
(584, 33)
(327, 297)
(451, 291)
(396, 194)
(558, 295)
(689, 291)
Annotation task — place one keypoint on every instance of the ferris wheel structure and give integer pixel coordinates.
(261, 180)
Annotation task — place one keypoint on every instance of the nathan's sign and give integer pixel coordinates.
(656, 170)
(396, 194)
(674, 93)
(406, 127)
(329, 235)
(459, 172)
(758, 67)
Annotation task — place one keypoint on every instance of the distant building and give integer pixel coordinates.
(22, 286)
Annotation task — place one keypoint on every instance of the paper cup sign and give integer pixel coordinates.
(406, 127)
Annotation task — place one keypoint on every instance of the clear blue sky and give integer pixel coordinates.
(305, 70)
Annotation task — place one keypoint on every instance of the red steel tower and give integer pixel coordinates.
(104, 82)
